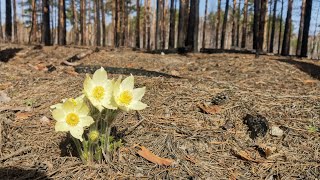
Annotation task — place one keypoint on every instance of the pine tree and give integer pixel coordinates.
(224, 25)
(8, 21)
(182, 24)
(299, 43)
(273, 26)
(204, 25)
(306, 26)
(15, 21)
(244, 24)
(83, 22)
(172, 24)
(46, 35)
(287, 31)
(218, 23)
(62, 23)
(233, 33)
(193, 26)
(138, 25)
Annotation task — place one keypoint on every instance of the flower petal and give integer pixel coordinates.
(138, 93)
(68, 106)
(77, 132)
(86, 121)
(58, 114)
(100, 76)
(84, 110)
(61, 126)
(127, 83)
(88, 85)
(137, 105)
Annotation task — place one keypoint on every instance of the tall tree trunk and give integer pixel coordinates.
(33, 32)
(116, 19)
(144, 28)
(193, 26)
(125, 22)
(103, 14)
(273, 26)
(62, 23)
(263, 12)
(157, 34)
(224, 25)
(269, 24)
(15, 21)
(138, 25)
(204, 25)
(8, 21)
(298, 50)
(46, 35)
(287, 31)
(83, 22)
(182, 24)
(314, 42)
(75, 22)
(238, 24)
(218, 23)
(148, 25)
(98, 23)
(52, 23)
(306, 26)
(233, 33)
(280, 31)
(1, 33)
(256, 21)
(244, 25)
(172, 24)
(163, 22)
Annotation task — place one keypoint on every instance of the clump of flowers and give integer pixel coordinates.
(89, 117)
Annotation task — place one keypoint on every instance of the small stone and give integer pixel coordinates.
(162, 53)
(276, 131)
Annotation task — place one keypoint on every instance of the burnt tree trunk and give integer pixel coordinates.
(8, 21)
(244, 25)
(306, 26)
(172, 24)
(238, 24)
(233, 32)
(75, 22)
(157, 35)
(299, 43)
(273, 26)
(62, 23)
(280, 30)
(256, 20)
(263, 11)
(1, 34)
(218, 23)
(204, 25)
(138, 25)
(287, 31)
(15, 21)
(103, 19)
(148, 25)
(224, 25)
(97, 23)
(193, 26)
(33, 32)
(46, 35)
(83, 22)
(182, 24)
(144, 26)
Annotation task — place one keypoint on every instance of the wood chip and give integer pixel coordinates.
(214, 109)
(148, 155)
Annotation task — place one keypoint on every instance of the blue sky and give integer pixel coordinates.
(212, 6)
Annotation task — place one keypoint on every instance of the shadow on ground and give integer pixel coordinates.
(14, 173)
(7, 54)
(309, 68)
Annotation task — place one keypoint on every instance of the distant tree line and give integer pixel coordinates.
(160, 24)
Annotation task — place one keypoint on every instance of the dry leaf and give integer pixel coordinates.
(268, 150)
(4, 98)
(191, 159)
(45, 120)
(5, 85)
(214, 109)
(71, 72)
(23, 115)
(245, 156)
(148, 155)
(310, 82)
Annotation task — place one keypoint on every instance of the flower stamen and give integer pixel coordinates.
(125, 97)
(98, 93)
(72, 119)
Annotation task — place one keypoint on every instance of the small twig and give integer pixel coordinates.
(70, 63)
(20, 151)
(141, 119)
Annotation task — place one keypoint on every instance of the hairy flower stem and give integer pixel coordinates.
(106, 128)
(79, 149)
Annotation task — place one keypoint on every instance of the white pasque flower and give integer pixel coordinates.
(126, 97)
(72, 116)
(99, 90)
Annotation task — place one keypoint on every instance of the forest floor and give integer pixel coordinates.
(196, 120)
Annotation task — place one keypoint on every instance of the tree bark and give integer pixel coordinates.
(75, 23)
(172, 24)
(299, 43)
(46, 35)
(1, 33)
(83, 23)
(97, 23)
(33, 32)
(280, 31)
(273, 26)
(204, 25)
(62, 23)
(306, 26)
(15, 22)
(163, 22)
(263, 12)
(148, 25)
(157, 35)
(224, 25)
(256, 21)
(193, 26)
(233, 32)
(269, 24)
(182, 24)
(238, 24)
(287, 31)
(244, 25)
(8, 21)
(138, 25)
(144, 28)
(218, 23)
